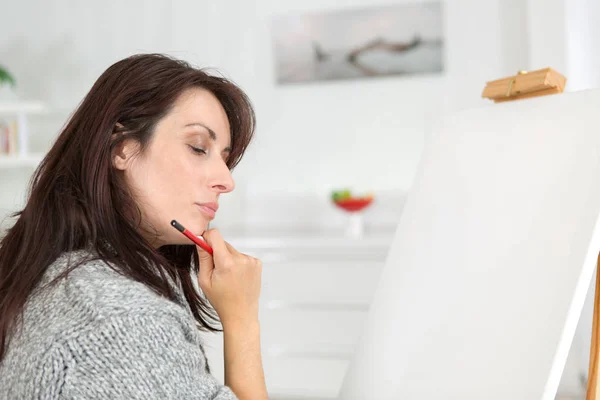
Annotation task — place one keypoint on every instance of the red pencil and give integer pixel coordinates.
(192, 237)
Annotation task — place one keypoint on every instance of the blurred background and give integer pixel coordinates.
(321, 263)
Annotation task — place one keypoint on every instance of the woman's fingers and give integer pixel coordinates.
(206, 260)
(214, 240)
(206, 267)
(231, 281)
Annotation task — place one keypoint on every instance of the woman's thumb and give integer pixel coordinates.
(206, 266)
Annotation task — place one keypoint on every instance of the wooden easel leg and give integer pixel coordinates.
(593, 389)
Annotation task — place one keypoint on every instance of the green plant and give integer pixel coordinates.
(6, 78)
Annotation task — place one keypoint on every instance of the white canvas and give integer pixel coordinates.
(485, 281)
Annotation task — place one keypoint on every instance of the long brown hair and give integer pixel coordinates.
(77, 200)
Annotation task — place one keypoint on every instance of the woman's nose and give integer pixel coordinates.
(222, 179)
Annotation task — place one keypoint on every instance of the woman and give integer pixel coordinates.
(97, 295)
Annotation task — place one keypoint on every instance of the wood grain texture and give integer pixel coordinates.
(535, 83)
(592, 390)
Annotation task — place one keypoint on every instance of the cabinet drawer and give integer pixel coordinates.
(332, 334)
(288, 377)
(298, 360)
(286, 284)
(305, 379)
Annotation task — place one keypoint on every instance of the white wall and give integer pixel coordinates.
(547, 30)
(564, 35)
(583, 44)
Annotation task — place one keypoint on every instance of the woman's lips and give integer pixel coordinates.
(208, 209)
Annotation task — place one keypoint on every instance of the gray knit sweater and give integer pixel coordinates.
(100, 335)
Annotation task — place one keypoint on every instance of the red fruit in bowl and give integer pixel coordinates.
(354, 204)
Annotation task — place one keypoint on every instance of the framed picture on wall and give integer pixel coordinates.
(400, 39)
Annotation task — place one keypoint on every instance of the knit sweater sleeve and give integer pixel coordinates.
(139, 357)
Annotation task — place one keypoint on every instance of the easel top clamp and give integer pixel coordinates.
(524, 85)
(541, 83)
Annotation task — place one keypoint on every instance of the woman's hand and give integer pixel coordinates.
(230, 280)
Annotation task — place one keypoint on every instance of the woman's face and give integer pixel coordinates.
(183, 170)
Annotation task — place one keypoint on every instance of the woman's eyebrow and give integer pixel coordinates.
(211, 133)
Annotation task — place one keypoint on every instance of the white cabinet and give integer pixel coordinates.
(316, 292)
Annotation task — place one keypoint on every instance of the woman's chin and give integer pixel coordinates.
(199, 229)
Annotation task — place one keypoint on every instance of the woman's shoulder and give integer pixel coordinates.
(94, 290)
(90, 299)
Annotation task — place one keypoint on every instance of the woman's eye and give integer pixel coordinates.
(198, 150)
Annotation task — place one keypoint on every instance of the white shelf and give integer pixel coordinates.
(20, 161)
(29, 107)
(304, 240)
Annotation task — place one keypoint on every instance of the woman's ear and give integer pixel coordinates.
(125, 150)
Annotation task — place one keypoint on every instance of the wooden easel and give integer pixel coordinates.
(593, 390)
(540, 83)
